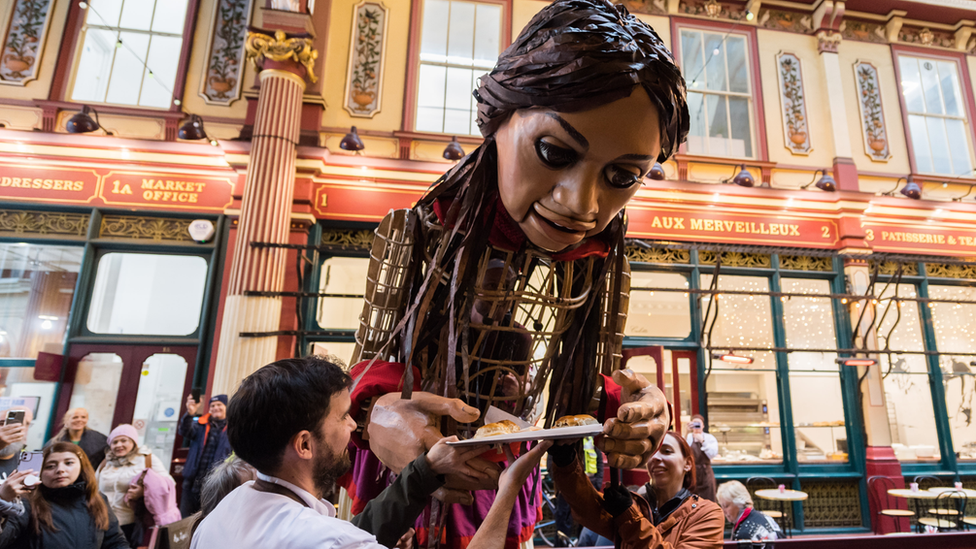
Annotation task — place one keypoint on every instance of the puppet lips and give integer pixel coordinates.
(550, 235)
(562, 222)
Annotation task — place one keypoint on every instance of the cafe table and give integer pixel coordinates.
(913, 497)
(783, 497)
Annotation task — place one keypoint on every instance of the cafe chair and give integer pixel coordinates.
(764, 483)
(926, 481)
(946, 511)
(886, 504)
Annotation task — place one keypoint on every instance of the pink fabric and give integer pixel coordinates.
(159, 496)
(124, 430)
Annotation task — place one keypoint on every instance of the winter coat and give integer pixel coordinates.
(114, 476)
(92, 443)
(159, 497)
(74, 527)
(696, 524)
(196, 431)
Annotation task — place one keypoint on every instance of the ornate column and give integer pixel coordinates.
(266, 208)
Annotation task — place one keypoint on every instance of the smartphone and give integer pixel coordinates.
(31, 460)
(195, 393)
(14, 416)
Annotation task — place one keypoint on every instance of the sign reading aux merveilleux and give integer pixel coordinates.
(707, 226)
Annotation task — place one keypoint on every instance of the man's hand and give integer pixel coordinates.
(450, 460)
(642, 420)
(400, 430)
(15, 432)
(191, 405)
(406, 540)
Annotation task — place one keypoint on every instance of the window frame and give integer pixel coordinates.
(967, 95)
(411, 96)
(758, 120)
(70, 56)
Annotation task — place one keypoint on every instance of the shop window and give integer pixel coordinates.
(935, 107)
(660, 313)
(339, 349)
(158, 401)
(460, 41)
(147, 294)
(743, 320)
(130, 52)
(19, 390)
(717, 72)
(907, 392)
(743, 415)
(96, 388)
(955, 332)
(38, 285)
(344, 279)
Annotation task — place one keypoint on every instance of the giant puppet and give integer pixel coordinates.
(508, 280)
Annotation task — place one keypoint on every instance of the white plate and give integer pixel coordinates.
(543, 434)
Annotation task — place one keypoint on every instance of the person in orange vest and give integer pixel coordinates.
(208, 447)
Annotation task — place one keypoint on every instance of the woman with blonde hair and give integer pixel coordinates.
(74, 429)
(747, 523)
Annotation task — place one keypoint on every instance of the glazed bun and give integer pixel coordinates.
(575, 421)
(494, 429)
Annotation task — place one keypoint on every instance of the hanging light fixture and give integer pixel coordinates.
(849, 361)
(453, 150)
(743, 178)
(192, 130)
(912, 190)
(82, 122)
(657, 172)
(732, 358)
(352, 142)
(825, 183)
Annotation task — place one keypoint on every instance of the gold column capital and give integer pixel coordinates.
(280, 48)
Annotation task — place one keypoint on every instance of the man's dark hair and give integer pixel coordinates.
(278, 401)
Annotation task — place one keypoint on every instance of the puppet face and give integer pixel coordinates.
(564, 176)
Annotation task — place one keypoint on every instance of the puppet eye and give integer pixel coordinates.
(553, 155)
(620, 177)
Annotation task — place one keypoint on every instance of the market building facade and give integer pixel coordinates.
(183, 199)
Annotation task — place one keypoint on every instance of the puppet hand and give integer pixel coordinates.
(400, 430)
(642, 419)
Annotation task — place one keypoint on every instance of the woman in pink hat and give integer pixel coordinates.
(124, 465)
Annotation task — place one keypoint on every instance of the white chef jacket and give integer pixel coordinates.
(251, 519)
(709, 445)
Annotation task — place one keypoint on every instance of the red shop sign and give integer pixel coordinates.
(39, 183)
(166, 190)
(706, 226)
(361, 203)
(920, 240)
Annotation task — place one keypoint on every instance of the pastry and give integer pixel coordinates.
(575, 421)
(503, 427)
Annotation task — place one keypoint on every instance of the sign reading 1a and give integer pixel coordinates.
(125, 189)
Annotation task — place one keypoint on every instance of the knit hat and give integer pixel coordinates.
(124, 430)
(220, 398)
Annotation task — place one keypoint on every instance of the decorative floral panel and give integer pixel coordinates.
(364, 81)
(222, 84)
(872, 113)
(24, 42)
(785, 20)
(796, 134)
(652, 7)
(863, 31)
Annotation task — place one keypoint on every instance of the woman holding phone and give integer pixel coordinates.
(66, 510)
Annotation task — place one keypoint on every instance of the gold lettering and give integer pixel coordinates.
(657, 222)
(696, 224)
(679, 223)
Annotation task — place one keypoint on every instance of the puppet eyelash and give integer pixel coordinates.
(553, 156)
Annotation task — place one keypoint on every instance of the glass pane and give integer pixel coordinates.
(738, 68)
(127, 71)
(487, 35)
(743, 320)
(169, 16)
(904, 334)
(94, 66)
(696, 137)
(157, 87)
(19, 391)
(715, 62)
(96, 389)
(958, 146)
(920, 143)
(691, 58)
(104, 12)
(911, 86)
(38, 285)
(149, 294)
(718, 125)
(809, 324)
(939, 145)
(658, 314)
(430, 110)
(460, 40)
(158, 402)
(743, 414)
(818, 417)
(930, 87)
(949, 81)
(343, 276)
(955, 331)
(912, 419)
(341, 350)
(137, 14)
(741, 142)
(459, 101)
(433, 45)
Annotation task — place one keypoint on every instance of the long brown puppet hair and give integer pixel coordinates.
(573, 55)
(41, 508)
